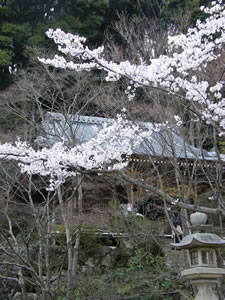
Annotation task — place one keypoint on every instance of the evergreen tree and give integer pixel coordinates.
(23, 23)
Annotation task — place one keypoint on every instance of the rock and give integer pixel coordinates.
(90, 263)
(104, 250)
(126, 246)
(84, 269)
(108, 261)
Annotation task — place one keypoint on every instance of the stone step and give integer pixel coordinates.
(176, 258)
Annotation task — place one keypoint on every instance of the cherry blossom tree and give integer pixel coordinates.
(171, 72)
(175, 73)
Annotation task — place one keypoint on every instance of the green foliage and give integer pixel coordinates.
(22, 32)
(176, 10)
(4, 12)
(222, 146)
(83, 17)
(7, 52)
(5, 41)
(38, 37)
(95, 6)
(115, 275)
(90, 242)
(23, 23)
(144, 260)
(9, 28)
(6, 57)
(145, 283)
(144, 9)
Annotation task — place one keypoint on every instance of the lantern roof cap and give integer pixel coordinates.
(200, 239)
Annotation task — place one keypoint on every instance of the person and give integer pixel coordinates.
(177, 232)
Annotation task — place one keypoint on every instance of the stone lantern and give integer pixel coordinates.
(203, 271)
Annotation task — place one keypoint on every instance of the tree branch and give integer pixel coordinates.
(169, 199)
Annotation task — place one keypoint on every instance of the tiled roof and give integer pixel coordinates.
(78, 129)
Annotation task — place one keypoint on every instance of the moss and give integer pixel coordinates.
(90, 242)
(122, 257)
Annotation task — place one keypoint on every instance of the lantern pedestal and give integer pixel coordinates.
(205, 290)
(204, 278)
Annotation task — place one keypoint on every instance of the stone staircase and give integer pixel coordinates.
(175, 258)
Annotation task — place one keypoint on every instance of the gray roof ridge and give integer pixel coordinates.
(92, 119)
(79, 118)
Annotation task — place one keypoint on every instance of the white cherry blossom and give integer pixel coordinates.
(187, 52)
(104, 151)
(172, 72)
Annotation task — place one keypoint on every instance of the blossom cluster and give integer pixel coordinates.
(103, 151)
(186, 53)
(172, 72)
